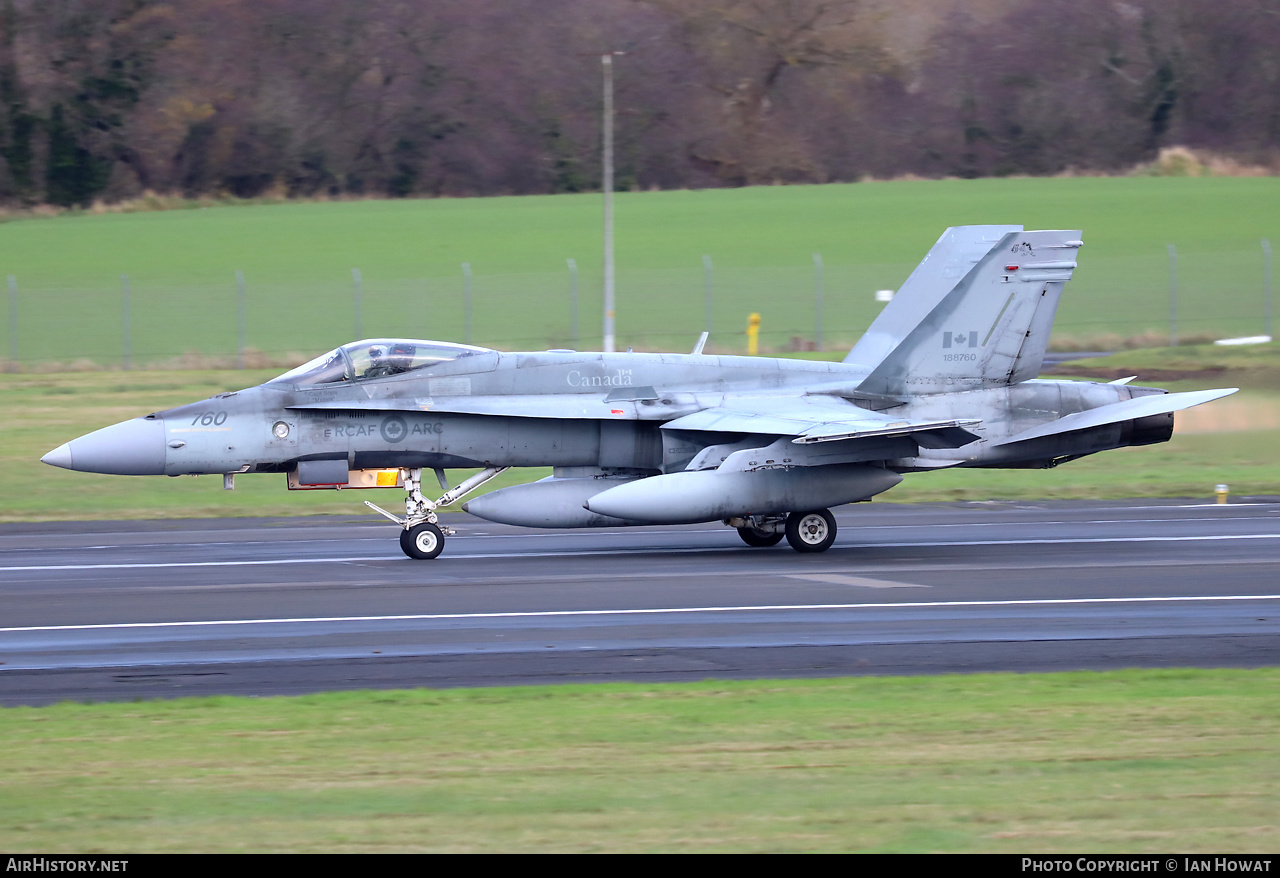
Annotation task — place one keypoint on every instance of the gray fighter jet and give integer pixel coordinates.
(945, 377)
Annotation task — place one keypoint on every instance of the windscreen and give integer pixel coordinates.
(324, 369)
(376, 358)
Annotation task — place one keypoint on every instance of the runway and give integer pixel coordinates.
(107, 611)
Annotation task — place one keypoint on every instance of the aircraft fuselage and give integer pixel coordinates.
(558, 409)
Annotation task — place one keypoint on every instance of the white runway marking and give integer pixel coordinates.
(656, 611)
(857, 581)
(631, 551)
(163, 564)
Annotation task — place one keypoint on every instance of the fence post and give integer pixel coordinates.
(242, 325)
(466, 302)
(817, 293)
(708, 283)
(1173, 296)
(573, 299)
(13, 324)
(126, 318)
(357, 281)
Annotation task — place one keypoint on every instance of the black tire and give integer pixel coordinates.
(422, 541)
(753, 537)
(813, 531)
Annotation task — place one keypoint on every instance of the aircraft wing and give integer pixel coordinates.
(1128, 410)
(814, 419)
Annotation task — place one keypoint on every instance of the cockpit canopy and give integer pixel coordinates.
(376, 358)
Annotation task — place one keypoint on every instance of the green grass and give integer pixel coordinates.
(298, 258)
(1253, 365)
(1082, 762)
(1235, 445)
(1188, 466)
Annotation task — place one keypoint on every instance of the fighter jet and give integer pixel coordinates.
(946, 376)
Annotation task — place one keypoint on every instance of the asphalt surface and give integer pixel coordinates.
(111, 611)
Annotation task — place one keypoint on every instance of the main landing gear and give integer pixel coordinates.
(813, 531)
(756, 536)
(421, 536)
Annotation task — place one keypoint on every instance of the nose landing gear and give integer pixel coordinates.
(421, 536)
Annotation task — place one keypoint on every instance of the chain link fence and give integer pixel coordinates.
(142, 322)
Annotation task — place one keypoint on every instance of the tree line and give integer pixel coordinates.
(107, 99)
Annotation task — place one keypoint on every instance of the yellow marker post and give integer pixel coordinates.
(753, 334)
(1222, 491)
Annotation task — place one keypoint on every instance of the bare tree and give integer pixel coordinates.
(107, 98)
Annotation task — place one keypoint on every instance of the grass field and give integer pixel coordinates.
(297, 259)
(1130, 761)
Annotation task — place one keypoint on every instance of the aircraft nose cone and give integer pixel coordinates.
(60, 456)
(130, 448)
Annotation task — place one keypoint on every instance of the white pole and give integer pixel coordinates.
(607, 62)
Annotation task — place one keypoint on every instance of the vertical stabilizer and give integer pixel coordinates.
(991, 329)
(955, 254)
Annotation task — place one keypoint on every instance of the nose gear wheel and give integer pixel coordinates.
(422, 541)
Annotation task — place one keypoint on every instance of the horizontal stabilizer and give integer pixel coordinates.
(1130, 409)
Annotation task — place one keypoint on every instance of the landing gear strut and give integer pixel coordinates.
(421, 536)
(753, 537)
(759, 530)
